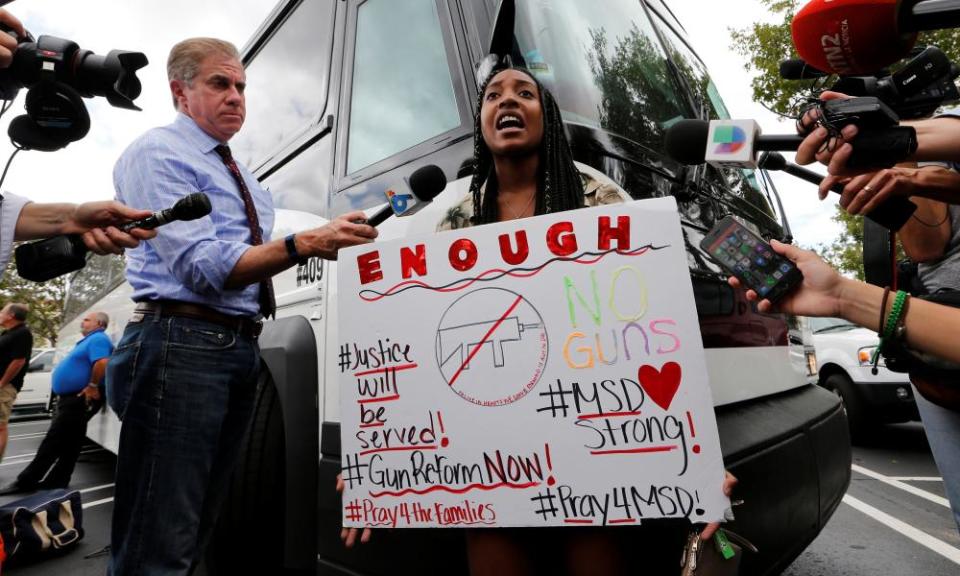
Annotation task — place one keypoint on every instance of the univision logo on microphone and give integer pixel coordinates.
(730, 143)
(399, 202)
(728, 139)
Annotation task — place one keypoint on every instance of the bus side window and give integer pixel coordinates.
(402, 93)
(287, 83)
(302, 184)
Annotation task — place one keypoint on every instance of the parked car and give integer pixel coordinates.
(35, 395)
(844, 360)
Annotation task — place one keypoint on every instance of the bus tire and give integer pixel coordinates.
(249, 535)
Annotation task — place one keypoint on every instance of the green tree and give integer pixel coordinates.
(846, 252)
(764, 45)
(45, 300)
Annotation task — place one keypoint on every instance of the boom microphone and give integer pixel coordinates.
(892, 214)
(190, 207)
(46, 259)
(425, 183)
(862, 36)
(797, 69)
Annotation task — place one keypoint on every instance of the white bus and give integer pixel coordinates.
(350, 95)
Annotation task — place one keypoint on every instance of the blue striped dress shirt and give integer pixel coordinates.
(189, 261)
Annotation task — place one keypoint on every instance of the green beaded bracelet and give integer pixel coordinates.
(895, 311)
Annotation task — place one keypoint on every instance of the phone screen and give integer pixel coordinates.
(749, 258)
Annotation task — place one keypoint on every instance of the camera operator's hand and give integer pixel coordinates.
(818, 146)
(8, 44)
(820, 293)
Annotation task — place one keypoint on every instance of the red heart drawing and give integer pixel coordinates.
(660, 385)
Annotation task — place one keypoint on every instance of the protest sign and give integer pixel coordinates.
(540, 372)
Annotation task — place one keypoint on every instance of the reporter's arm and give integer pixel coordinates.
(96, 221)
(938, 139)
(267, 260)
(930, 327)
(10, 207)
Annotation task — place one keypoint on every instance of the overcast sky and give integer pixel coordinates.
(708, 24)
(83, 170)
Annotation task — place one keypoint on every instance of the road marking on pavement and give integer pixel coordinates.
(918, 536)
(95, 488)
(31, 435)
(917, 478)
(97, 503)
(901, 485)
(23, 458)
(35, 423)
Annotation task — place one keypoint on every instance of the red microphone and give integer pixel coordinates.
(862, 36)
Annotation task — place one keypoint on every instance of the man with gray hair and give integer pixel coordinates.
(184, 374)
(16, 345)
(76, 388)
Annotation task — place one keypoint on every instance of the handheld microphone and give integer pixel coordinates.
(735, 143)
(723, 143)
(425, 183)
(45, 259)
(862, 36)
(892, 214)
(190, 207)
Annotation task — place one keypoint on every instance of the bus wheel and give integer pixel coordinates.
(249, 534)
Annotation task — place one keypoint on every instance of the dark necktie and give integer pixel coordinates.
(268, 303)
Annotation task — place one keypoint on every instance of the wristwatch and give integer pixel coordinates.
(291, 244)
(93, 384)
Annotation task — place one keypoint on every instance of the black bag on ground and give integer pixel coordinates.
(43, 523)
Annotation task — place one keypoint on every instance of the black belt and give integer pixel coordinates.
(243, 325)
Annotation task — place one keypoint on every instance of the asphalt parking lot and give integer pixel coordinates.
(894, 519)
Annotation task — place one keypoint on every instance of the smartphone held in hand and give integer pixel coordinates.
(748, 257)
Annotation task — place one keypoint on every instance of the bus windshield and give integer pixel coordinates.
(607, 68)
(615, 70)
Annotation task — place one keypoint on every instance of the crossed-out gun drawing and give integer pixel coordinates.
(458, 342)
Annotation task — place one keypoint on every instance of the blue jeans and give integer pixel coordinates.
(184, 391)
(943, 433)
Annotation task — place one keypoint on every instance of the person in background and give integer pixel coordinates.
(76, 384)
(16, 344)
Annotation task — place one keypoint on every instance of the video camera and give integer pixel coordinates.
(916, 90)
(57, 73)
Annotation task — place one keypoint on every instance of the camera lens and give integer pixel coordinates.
(113, 76)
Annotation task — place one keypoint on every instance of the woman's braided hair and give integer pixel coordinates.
(559, 186)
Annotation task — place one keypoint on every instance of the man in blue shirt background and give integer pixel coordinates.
(76, 385)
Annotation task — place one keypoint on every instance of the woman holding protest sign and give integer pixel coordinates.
(523, 167)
